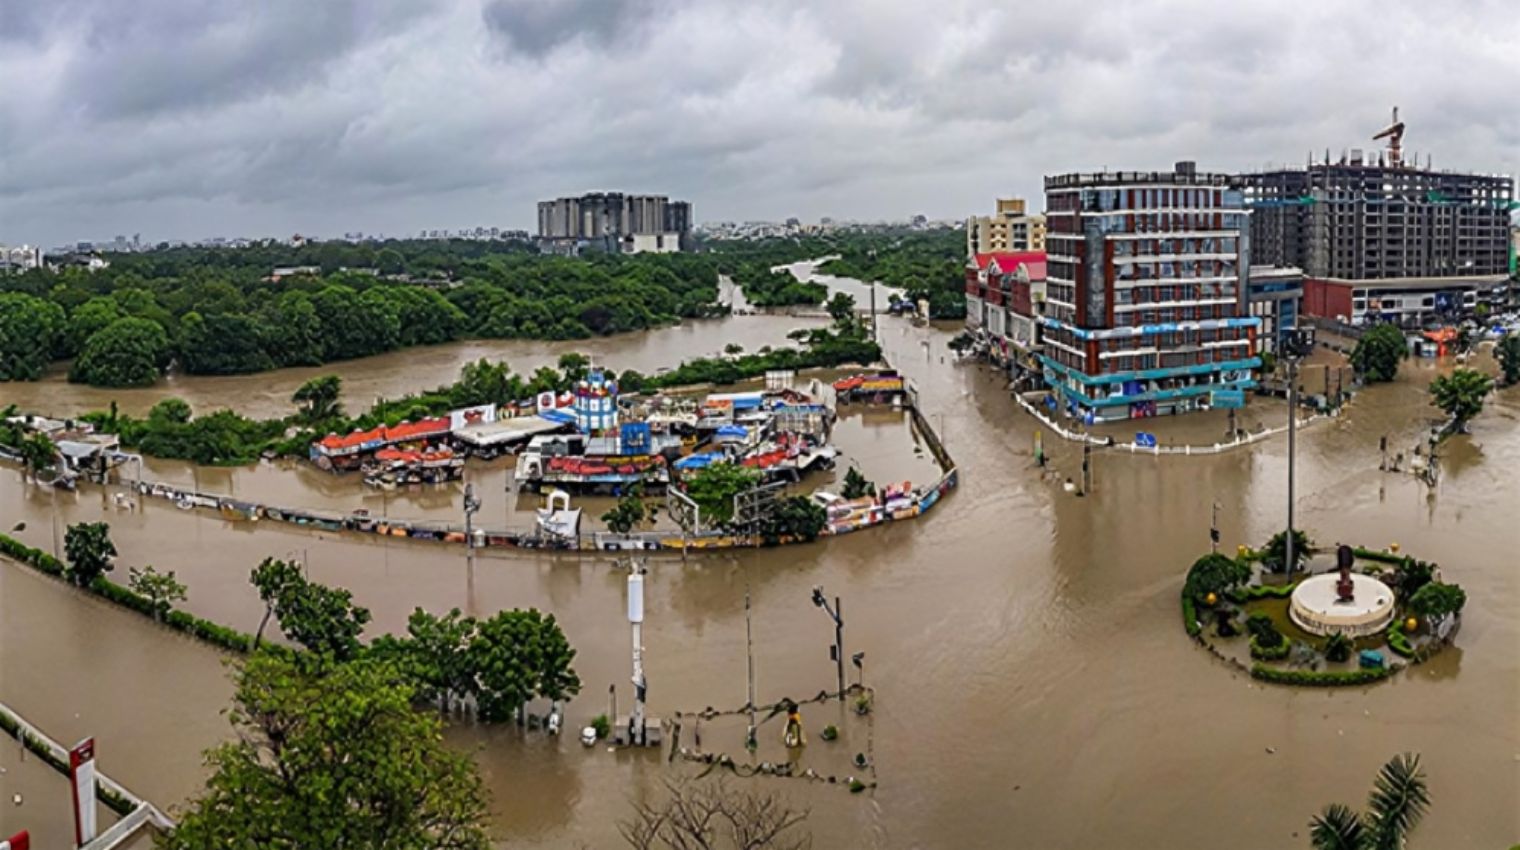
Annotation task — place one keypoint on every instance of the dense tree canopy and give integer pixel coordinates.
(31, 330)
(89, 550)
(1377, 354)
(1460, 395)
(333, 756)
(222, 311)
(126, 353)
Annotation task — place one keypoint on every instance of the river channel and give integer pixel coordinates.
(1034, 687)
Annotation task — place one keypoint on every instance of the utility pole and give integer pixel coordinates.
(1086, 468)
(471, 505)
(836, 614)
(873, 311)
(1214, 530)
(749, 650)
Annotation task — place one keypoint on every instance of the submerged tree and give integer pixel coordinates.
(1460, 395)
(1377, 354)
(1507, 352)
(856, 485)
(1276, 552)
(1215, 573)
(1398, 801)
(712, 815)
(333, 756)
(318, 399)
(162, 590)
(89, 550)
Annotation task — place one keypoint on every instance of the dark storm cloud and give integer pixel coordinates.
(189, 118)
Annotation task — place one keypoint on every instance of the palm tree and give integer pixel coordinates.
(1398, 800)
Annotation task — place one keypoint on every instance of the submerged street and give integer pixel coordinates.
(1032, 681)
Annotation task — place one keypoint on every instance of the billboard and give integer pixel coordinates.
(471, 416)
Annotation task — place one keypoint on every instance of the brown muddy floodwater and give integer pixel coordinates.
(1034, 686)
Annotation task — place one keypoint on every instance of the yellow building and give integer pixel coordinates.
(1011, 228)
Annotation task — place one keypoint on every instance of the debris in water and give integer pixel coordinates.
(1271, 750)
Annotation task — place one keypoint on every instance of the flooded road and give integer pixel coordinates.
(1032, 677)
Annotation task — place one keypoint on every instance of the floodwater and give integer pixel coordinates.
(1033, 684)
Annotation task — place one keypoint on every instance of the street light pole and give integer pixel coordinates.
(1300, 344)
(836, 613)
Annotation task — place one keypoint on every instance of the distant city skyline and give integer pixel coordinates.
(336, 117)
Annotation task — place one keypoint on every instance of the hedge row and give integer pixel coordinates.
(1270, 653)
(1252, 593)
(36, 558)
(1190, 616)
(180, 621)
(1322, 678)
(1379, 555)
(1398, 641)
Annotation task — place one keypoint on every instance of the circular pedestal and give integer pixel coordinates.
(1317, 608)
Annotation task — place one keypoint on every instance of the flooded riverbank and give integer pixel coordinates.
(1023, 642)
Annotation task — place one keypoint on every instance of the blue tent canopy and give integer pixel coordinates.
(733, 431)
(701, 461)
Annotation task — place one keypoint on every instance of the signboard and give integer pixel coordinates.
(546, 401)
(1228, 398)
(82, 778)
(19, 841)
(1144, 440)
(471, 416)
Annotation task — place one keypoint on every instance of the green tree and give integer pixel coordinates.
(1377, 354)
(1397, 803)
(161, 589)
(625, 515)
(88, 319)
(222, 344)
(332, 756)
(293, 331)
(484, 382)
(126, 353)
(88, 548)
(272, 577)
(574, 366)
(1460, 395)
(170, 411)
(841, 308)
(318, 399)
(1276, 552)
(1411, 575)
(1507, 352)
(1338, 648)
(856, 485)
(795, 516)
(1438, 600)
(31, 330)
(1264, 631)
(390, 261)
(516, 655)
(714, 489)
(37, 452)
(1215, 573)
(322, 619)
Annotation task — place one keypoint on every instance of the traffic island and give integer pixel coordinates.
(1362, 620)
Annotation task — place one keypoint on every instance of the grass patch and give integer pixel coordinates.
(1322, 678)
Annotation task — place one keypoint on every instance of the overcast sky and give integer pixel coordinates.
(182, 119)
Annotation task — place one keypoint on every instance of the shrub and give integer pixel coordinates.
(1322, 678)
(856, 786)
(830, 732)
(1252, 593)
(1190, 616)
(1270, 653)
(602, 725)
(1376, 555)
(1398, 642)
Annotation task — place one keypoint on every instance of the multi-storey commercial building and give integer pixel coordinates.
(605, 220)
(1146, 293)
(1010, 229)
(1383, 240)
(20, 258)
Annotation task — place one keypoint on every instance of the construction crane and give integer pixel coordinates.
(1394, 133)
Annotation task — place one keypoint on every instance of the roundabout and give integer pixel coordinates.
(1361, 621)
